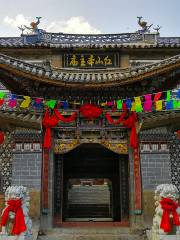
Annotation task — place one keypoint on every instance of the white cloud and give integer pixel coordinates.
(72, 25)
(17, 21)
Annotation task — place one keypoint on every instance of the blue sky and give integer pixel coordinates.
(90, 16)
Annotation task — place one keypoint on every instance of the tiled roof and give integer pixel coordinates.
(21, 119)
(157, 119)
(63, 76)
(61, 40)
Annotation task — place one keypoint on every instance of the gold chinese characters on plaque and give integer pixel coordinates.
(89, 60)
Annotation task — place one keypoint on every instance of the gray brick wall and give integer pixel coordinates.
(26, 169)
(155, 169)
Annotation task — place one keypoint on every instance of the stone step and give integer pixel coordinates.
(90, 230)
(92, 233)
(91, 237)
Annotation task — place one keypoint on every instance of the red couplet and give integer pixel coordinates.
(1, 137)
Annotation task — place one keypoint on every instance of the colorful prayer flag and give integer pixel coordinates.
(128, 103)
(169, 105)
(168, 95)
(148, 103)
(65, 105)
(2, 95)
(51, 103)
(38, 104)
(110, 103)
(26, 102)
(138, 104)
(158, 105)
(133, 107)
(119, 104)
(12, 101)
(157, 96)
(178, 93)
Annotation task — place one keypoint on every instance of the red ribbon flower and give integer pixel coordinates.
(169, 207)
(90, 111)
(19, 223)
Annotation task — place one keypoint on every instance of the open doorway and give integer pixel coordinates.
(91, 184)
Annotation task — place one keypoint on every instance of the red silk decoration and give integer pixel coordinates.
(52, 121)
(1, 137)
(90, 111)
(178, 133)
(65, 119)
(169, 207)
(157, 96)
(48, 122)
(19, 223)
(111, 121)
(130, 123)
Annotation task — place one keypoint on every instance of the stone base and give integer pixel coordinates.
(5, 237)
(34, 211)
(154, 236)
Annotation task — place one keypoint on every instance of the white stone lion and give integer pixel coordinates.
(13, 193)
(164, 191)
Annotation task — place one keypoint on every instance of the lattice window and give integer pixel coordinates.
(155, 147)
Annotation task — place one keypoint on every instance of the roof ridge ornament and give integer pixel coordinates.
(33, 28)
(35, 34)
(157, 28)
(144, 27)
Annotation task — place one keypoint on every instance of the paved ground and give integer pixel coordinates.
(92, 234)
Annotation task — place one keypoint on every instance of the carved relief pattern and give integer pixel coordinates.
(6, 161)
(120, 148)
(66, 146)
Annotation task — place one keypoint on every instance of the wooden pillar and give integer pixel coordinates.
(45, 184)
(137, 183)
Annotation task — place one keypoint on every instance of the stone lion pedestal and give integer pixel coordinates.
(13, 195)
(166, 221)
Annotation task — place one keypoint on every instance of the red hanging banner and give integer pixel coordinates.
(137, 183)
(2, 137)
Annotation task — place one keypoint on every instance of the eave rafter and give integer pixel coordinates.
(147, 120)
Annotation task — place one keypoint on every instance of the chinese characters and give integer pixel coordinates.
(90, 60)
